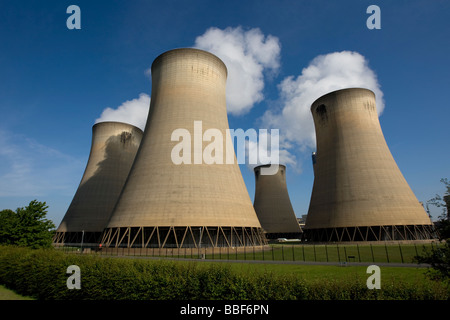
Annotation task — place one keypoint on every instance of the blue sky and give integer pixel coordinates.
(55, 82)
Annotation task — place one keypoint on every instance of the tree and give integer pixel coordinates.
(442, 201)
(439, 259)
(443, 224)
(8, 225)
(27, 226)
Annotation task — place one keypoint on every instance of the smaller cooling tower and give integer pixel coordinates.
(359, 193)
(273, 206)
(113, 149)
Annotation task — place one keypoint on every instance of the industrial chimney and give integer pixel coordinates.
(273, 206)
(359, 193)
(113, 149)
(191, 203)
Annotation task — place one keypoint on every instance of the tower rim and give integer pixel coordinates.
(116, 122)
(187, 49)
(326, 95)
(268, 165)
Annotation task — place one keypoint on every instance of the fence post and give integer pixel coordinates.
(371, 249)
(273, 258)
(401, 254)
(326, 252)
(339, 254)
(293, 254)
(345, 254)
(303, 249)
(314, 247)
(282, 252)
(359, 254)
(387, 254)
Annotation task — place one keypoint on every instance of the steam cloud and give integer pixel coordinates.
(325, 73)
(133, 112)
(248, 55)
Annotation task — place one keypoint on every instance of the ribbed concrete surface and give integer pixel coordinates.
(357, 181)
(113, 149)
(187, 85)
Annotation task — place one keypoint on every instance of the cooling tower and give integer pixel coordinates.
(359, 193)
(113, 149)
(167, 203)
(273, 206)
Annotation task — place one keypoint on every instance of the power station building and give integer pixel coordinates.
(273, 205)
(175, 196)
(359, 193)
(113, 149)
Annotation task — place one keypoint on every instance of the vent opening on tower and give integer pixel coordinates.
(125, 137)
(322, 112)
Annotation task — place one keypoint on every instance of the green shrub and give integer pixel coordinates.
(41, 273)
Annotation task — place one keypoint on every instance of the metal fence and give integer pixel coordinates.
(386, 253)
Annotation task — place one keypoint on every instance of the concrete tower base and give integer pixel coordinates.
(372, 233)
(69, 238)
(182, 237)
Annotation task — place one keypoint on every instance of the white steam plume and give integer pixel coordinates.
(247, 55)
(324, 74)
(133, 112)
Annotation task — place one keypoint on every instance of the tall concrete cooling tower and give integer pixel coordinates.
(113, 149)
(273, 205)
(359, 193)
(187, 203)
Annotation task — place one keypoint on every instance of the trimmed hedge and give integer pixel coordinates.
(42, 274)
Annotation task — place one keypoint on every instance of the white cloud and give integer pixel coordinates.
(324, 74)
(133, 112)
(248, 55)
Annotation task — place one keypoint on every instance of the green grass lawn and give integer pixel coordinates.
(325, 273)
(368, 253)
(403, 253)
(6, 294)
